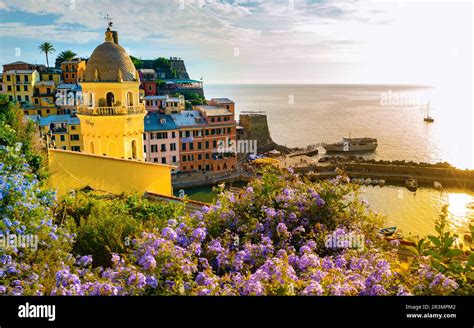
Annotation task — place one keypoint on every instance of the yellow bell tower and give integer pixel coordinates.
(112, 117)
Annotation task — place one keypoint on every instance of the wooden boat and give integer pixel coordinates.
(368, 181)
(412, 184)
(387, 232)
(381, 182)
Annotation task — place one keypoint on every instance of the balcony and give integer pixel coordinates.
(111, 111)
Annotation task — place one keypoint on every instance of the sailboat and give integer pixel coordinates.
(428, 118)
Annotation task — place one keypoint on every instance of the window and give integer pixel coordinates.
(144, 136)
(26, 112)
(207, 144)
(163, 160)
(155, 160)
(63, 148)
(27, 98)
(26, 78)
(67, 76)
(76, 148)
(173, 134)
(144, 148)
(9, 88)
(173, 147)
(8, 78)
(151, 136)
(48, 111)
(72, 75)
(199, 145)
(36, 101)
(184, 158)
(163, 147)
(199, 157)
(74, 137)
(228, 130)
(174, 159)
(18, 98)
(63, 138)
(191, 146)
(207, 155)
(73, 127)
(25, 88)
(183, 146)
(50, 77)
(214, 144)
(149, 88)
(207, 132)
(17, 88)
(154, 148)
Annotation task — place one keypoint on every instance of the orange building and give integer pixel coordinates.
(73, 70)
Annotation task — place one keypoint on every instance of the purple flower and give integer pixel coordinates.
(282, 229)
(169, 233)
(199, 234)
(314, 288)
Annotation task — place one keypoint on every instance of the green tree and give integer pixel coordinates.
(64, 56)
(46, 48)
(137, 62)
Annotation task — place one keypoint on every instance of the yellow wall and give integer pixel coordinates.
(73, 170)
(56, 77)
(99, 90)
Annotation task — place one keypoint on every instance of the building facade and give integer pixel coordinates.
(73, 70)
(161, 139)
(19, 85)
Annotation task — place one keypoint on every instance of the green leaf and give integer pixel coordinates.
(470, 259)
(435, 240)
(454, 252)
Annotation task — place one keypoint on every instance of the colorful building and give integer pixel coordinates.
(161, 139)
(112, 117)
(19, 85)
(148, 81)
(62, 131)
(52, 74)
(73, 70)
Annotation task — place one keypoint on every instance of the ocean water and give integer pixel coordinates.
(300, 115)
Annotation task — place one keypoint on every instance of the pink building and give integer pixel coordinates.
(161, 139)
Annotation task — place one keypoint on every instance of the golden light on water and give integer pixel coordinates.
(459, 213)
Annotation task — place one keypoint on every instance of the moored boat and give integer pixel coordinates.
(381, 182)
(352, 144)
(437, 185)
(368, 181)
(387, 232)
(412, 184)
(375, 182)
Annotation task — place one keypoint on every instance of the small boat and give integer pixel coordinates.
(437, 185)
(381, 182)
(375, 182)
(412, 184)
(387, 232)
(428, 118)
(368, 181)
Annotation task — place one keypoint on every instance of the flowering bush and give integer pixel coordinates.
(271, 239)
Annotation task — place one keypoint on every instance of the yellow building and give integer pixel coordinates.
(52, 74)
(19, 85)
(62, 131)
(112, 116)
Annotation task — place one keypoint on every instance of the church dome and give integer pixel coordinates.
(109, 63)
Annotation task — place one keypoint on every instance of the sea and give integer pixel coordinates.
(301, 115)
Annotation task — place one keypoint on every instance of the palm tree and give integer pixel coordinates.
(64, 56)
(47, 48)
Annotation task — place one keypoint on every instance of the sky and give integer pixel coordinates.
(279, 41)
